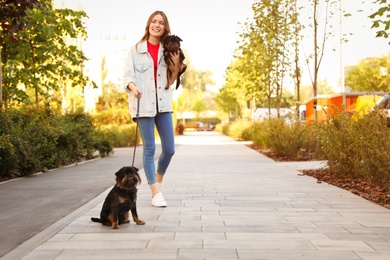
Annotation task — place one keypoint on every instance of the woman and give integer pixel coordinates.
(146, 75)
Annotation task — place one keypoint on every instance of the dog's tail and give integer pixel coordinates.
(97, 220)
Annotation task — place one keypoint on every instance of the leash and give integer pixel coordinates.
(136, 129)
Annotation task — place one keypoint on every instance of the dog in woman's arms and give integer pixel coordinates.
(171, 45)
(121, 199)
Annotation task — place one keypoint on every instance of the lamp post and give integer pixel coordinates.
(342, 86)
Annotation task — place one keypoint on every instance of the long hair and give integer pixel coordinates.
(167, 30)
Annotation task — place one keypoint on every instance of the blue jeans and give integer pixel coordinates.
(164, 125)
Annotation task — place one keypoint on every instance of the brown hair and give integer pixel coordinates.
(167, 30)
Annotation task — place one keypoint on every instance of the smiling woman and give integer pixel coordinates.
(150, 98)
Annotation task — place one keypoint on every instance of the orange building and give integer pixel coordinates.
(332, 104)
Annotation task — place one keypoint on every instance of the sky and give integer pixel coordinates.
(209, 30)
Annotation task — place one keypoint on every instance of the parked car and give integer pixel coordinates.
(209, 127)
(194, 126)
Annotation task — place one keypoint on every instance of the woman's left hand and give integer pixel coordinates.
(176, 60)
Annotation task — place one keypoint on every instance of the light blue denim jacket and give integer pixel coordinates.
(139, 70)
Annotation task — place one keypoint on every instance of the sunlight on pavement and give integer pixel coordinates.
(210, 138)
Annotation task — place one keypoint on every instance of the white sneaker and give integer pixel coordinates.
(158, 200)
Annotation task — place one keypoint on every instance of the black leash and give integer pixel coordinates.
(136, 129)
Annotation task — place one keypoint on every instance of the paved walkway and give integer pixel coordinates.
(225, 201)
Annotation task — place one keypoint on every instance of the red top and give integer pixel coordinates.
(153, 51)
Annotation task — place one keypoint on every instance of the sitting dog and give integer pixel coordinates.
(171, 45)
(121, 199)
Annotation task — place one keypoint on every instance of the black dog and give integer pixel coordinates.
(171, 45)
(121, 199)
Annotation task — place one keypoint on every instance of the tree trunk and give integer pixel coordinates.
(315, 60)
(297, 69)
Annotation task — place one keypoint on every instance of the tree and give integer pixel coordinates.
(112, 97)
(266, 49)
(11, 12)
(46, 56)
(323, 11)
(232, 97)
(194, 79)
(297, 74)
(194, 83)
(383, 11)
(372, 74)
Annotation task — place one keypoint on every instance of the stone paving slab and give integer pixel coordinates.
(226, 201)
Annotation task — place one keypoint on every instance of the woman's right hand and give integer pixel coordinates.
(135, 90)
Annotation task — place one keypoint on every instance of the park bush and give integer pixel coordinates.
(117, 116)
(237, 128)
(34, 139)
(357, 147)
(289, 140)
(121, 135)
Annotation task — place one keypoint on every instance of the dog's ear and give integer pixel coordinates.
(138, 177)
(179, 39)
(167, 39)
(121, 172)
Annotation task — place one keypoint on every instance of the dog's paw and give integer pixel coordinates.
(140, 222)
(115, 226)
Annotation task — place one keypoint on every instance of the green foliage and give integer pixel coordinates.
(11, 13)
(222, 128)
(370, 75)
(254, 133)
(103, 142)
(282, 139)
(45, 56)
(358, 148)
(113, 116)
(194, 95)
(381, 20)
(288, 140)
(232, 97)
(123, 135)
(355, 147)
(267, 47)
(76, 136)
(195, 80)
(34, 139)
(237, 128)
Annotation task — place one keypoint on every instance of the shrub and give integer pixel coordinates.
(293, 140)
(288, 140)
(237, 128)
(122, 136)
(35, 139)
(222, 128)
(117, 116)
(358, 148)
(255, 133)
(34, 133)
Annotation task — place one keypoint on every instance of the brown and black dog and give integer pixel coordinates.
(171, 45)
(121, 199)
